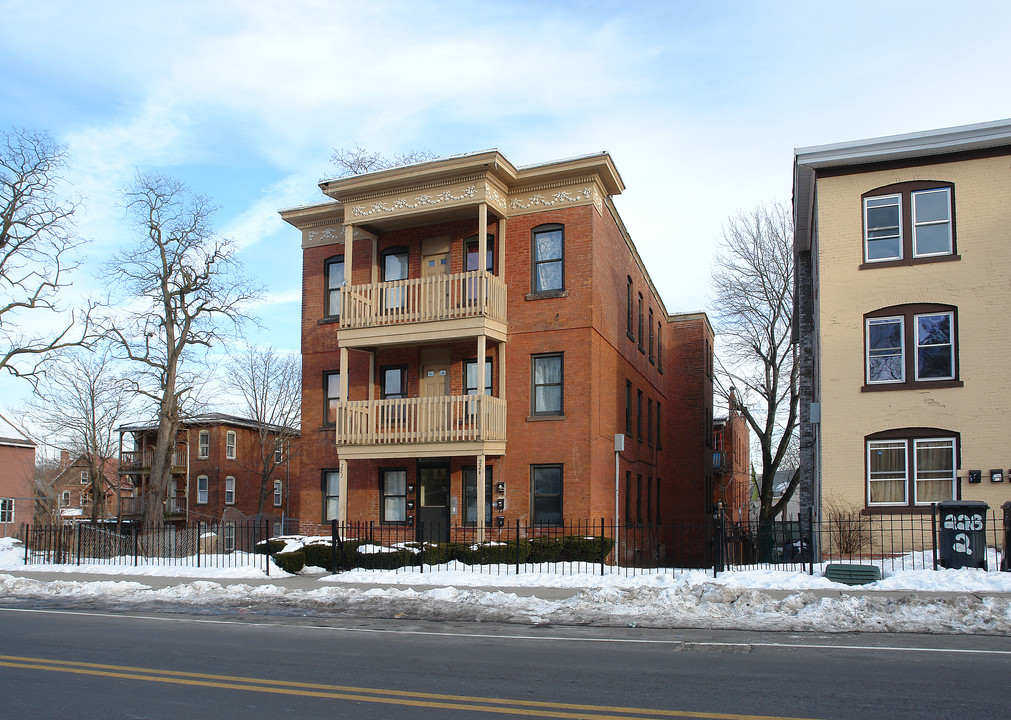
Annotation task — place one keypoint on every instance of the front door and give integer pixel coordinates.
(434, 503)
(433, 416)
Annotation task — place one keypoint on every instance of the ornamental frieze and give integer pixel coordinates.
(552, 199)
(400, 204)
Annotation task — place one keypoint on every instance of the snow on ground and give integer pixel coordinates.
(761, 599)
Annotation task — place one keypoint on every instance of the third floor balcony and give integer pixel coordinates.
(420, 310)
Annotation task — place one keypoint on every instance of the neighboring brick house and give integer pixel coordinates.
(732, 463)
(217, 469)
(17, 468)
(903, 271)
(72, 489)
(400, 424)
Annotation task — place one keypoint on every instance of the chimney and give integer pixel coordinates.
(64, 458)
(732, 401)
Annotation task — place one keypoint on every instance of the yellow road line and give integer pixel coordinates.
(360, 694)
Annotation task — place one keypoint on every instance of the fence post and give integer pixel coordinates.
(28, 539)
(933, 531)
(517, 546)
(603, 556)
(135, 546)
(717, 541)
(78, 544)
(333, 545)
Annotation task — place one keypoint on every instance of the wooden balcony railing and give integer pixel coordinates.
(446, 297)
(130, 506)
(137, 460)
(455, 418)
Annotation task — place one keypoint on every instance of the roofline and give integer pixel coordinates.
(208, 419)
(926, 144)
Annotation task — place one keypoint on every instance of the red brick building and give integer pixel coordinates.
(217, 469)
(732, 463)
(73, 488)
(399, 424)
(17, 467)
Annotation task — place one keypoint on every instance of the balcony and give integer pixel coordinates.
(134, 506)
(420, 310)
(136, 461)
(422, 427)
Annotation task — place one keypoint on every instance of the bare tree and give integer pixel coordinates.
(753, 300)
(183, 292)
(37, 238)
(78, 404)
(358, 160)
(271, 387)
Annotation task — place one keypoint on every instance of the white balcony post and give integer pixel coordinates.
(349, 236)
(342, 492)
(482, 345)
(482, 260)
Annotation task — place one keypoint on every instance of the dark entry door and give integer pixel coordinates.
(434, 514)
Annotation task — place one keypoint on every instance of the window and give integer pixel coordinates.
(393, 491)
(548, 253)
(649, 499)
(658, 500)
(394, 267)
(651, 356)
(909, 467)
(658, 426)
(6, 510)
(628, 498)
(278, 493)
(471, 246)
(278, 452)
(638, 415)
(659, 349)
(65, 498)
(201, 490)
(394, 381)
(230, 444)
(642, 348)
(911, 346)
(629, 328)
(332, 391)
(546, 494)
(547, 384)
(203, 444)
(229, 490)
(909, 222)
(470, 495)
(229, 542)
(628, 408)
(331, 495)
(334, 270)
(84, 477)
(638, 499)
(470, 385)
(649, 421)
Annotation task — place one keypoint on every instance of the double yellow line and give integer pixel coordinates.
(500, 706)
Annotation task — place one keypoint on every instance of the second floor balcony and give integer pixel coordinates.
(137, 461)
(442, 307)
(420, 427)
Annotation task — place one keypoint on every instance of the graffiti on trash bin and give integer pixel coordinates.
(963, 522)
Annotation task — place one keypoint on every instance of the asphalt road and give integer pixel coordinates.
(100, 664)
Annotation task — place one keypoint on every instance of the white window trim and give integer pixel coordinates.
(867, 257)
(902, 347)
(912, 195)
(951, 345)
(202, 493)
(84, 477)
(7, 507)
(203, 448)
(278, 493)
(229, 490)
(230, 444)
(905, 477)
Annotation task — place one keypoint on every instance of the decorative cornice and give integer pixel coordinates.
(332, 234)
(536, 200)
(361, 197)
(423, 200)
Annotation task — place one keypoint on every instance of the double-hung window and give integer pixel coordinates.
(629, 330)
(278, 493)
(393, 491)
(334, 270)
(203, 444)
(470, 495)
(6, 510)
(470, 382)
(909, 345)
(332, 390)
(230, 444)
(394, 267)
(331, 494)
(547, 372)
(201, 490)
(911, 467)
(229, 490)
(549, 258)
(546, 494)
(909, 223)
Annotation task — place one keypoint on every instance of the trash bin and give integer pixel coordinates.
(961, 534)
(1005, 556)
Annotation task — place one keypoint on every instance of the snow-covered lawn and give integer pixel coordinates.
(690, 598)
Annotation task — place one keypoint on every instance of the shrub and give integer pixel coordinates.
(490, 553)
(385, 559)
(269, 547)
(319, 555)
(544, 549)
(291, 562)
(579, 548)
(435, 553)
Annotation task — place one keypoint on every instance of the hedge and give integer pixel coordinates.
(291, 562)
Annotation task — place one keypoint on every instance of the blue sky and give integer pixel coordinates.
(700, 104)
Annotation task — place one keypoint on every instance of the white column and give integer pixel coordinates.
(342, 500)
(349, 235)
(501, 248)
(480, 498)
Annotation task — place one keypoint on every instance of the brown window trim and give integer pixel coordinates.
(327, 315)
(326, 398)
(908, 313)
(908, 434)
(546, 227)
(905, 190)
(642, 348)
(533, 387)
(473, 240)
(382, 496)
(629, 322)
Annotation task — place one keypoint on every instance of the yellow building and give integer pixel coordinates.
(904, 319)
